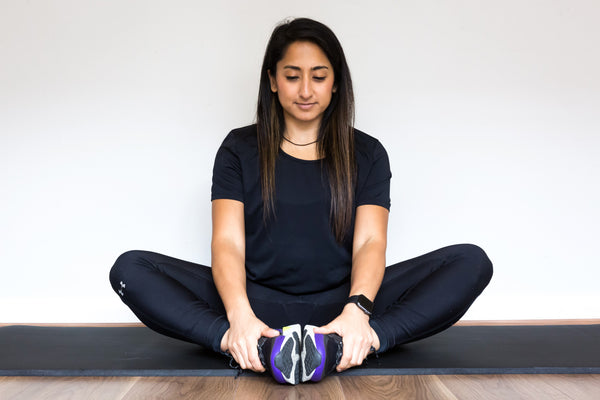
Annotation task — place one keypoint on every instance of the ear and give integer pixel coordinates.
(334, 89)
(273, 82)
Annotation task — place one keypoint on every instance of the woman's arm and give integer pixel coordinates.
(368, 267)
(229, 273)
(368, 250)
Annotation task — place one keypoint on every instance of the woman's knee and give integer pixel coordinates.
(122, 267)
(478, 264)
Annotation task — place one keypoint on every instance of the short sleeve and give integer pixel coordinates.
(376, 188)
(227, 180)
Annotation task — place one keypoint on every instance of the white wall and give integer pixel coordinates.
(111, 113)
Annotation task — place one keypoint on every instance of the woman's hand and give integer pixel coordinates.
(358, 336)
(241, 339)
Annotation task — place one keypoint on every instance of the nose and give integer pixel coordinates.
(305, 89)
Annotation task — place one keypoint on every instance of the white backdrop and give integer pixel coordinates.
(111, 113)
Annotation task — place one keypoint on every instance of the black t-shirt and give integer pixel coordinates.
(296, 252)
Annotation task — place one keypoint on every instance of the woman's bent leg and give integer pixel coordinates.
(427, 294)
(173, 297)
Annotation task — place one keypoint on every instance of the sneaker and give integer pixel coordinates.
(281, 355)
(320, 354)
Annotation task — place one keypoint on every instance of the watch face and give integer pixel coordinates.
(361, 302)
(365, 304)
(363, 309)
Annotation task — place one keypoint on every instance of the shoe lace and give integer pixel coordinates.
(374, 353)
(234, 365)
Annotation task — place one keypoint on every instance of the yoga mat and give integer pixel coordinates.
(138, 351)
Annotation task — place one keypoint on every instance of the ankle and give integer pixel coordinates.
(376, 344)
(224, 341)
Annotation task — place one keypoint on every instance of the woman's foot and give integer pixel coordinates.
(293, 359)
(280, 355)
(320, 354)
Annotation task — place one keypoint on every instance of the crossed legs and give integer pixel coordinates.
(418, 297)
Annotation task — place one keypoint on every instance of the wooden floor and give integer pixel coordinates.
(430, 387)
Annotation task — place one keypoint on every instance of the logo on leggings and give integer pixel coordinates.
(122, 287)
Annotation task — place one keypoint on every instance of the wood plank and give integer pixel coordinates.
(265, 387)
(29, 388)
(426, 387)
(580, 387)
(501, 387)
(183, 387)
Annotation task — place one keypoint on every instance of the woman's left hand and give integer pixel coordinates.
(358, 336)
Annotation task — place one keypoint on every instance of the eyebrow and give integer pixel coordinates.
(318, 67)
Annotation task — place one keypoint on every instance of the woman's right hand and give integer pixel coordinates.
(241, 340)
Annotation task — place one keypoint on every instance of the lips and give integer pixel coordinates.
(305, 106)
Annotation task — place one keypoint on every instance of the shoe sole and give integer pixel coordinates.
(313, 355)
(285, 356)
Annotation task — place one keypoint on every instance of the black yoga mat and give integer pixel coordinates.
(138, 351)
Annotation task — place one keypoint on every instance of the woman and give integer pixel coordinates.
(300, 204)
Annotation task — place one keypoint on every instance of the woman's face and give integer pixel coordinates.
(304, 83)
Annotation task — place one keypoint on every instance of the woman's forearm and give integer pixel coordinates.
(368, 254)
(228, 251)
(368, 267)
(229, 275)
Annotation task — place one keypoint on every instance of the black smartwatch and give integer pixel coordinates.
(362, 302)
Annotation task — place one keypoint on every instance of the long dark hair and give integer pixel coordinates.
(336, 132)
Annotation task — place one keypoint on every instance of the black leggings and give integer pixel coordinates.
(417, 298)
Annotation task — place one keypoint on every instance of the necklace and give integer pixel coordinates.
(298, 144)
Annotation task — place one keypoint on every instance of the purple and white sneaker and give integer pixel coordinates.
(320, 354)
(281, 355)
